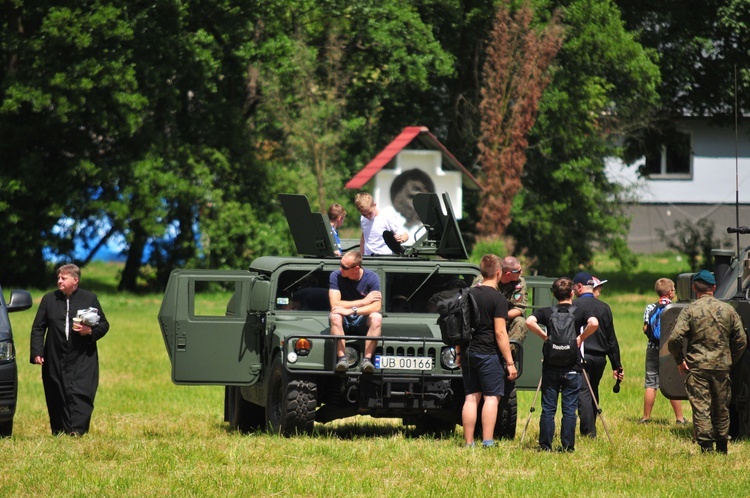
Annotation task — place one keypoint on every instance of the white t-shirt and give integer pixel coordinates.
(373, 233)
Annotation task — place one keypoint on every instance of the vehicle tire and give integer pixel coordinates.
(739, 409)
(507, 416)
(244, 416)
(291, 403)
(6, 428)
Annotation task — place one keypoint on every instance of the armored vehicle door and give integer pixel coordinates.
(213, 323)
(671, 383)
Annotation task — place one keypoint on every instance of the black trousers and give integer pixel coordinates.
(594, 367)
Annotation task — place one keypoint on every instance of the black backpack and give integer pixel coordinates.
(458, 314)
(560, 349)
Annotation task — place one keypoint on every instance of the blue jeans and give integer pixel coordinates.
(566, 382)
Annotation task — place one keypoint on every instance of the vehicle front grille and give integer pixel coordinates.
(7, 390)
(406, 351)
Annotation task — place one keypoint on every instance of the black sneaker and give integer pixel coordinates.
(342, 366)
(367, 366)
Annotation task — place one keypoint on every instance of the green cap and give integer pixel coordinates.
(705, 276)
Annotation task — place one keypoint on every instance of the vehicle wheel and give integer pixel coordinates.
(507, 416)
(291, 403)
(244, 416)
(6, 428)
(739, 410)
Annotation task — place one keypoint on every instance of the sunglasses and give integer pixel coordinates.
(347, 267)
(515, 271)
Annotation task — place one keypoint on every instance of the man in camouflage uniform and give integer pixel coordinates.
(513, 286)
(715, 339)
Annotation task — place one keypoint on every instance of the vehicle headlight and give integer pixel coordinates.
(449, 358)
(7, 352)
(352, 356)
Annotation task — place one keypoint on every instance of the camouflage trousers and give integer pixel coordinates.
(517, 329)
(709, 392)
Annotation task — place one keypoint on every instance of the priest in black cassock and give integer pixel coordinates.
(68, 356)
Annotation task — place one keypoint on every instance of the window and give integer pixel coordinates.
(670, 157)
(420, 292)
(302, 290)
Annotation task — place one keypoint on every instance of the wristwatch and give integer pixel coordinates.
(354, 311)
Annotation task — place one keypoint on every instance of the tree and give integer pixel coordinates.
(515, 74)
(604, 86)
(694, 240)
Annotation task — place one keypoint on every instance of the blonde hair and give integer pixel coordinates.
(363, 201)
(663, 286)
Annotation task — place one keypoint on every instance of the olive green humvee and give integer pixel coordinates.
(269, 343)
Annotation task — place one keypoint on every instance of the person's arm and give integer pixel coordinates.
(501, 337)
(533, 325)
(738, 338)
(613, 347)
(402, 237)
(591, 325)
(100, 329)
(676, 341)
(369, 304)
(514, 313)
(38, 329)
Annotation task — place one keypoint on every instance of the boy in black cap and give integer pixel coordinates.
(600, 345)
(715, 339)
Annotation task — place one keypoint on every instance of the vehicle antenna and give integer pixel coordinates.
(737, 228)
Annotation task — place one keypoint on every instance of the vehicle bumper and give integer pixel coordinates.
(8, 390)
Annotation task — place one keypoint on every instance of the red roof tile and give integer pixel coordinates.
(406, 137)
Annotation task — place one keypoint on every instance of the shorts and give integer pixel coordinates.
(652, 368)
(355, 325)
(483, 374)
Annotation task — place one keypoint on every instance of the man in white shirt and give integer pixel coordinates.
(374, 223)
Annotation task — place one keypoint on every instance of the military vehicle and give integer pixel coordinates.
(732, 273)
(268, 341)
(20, 300)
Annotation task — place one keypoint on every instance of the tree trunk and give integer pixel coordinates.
(128, 281)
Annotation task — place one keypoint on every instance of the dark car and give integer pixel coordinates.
(19, 300)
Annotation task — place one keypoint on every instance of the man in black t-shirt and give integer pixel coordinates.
(483, 373)
(561, 380)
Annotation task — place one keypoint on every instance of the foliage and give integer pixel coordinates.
(701, 50)
(603, 85)
(699, 47)
(156, 124)
(694, 240)
(515, 74)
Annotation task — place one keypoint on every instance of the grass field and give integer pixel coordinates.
(152, 438)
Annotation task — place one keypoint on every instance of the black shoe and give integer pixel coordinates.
(707, 447)
(721, 446)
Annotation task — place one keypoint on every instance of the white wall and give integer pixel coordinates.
(714, 177)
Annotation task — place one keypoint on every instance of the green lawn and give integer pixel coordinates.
(152, 438)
